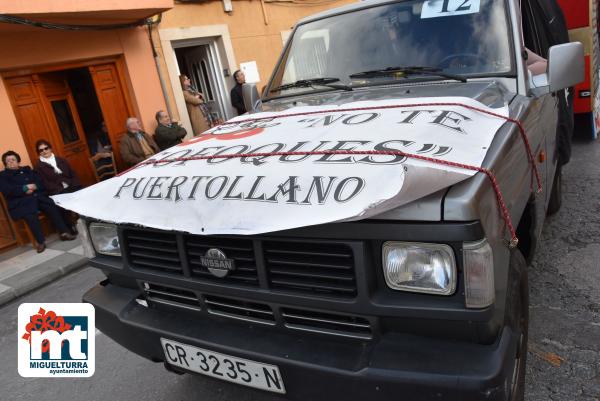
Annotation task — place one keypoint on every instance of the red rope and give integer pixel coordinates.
(526, 142)
(500, 200)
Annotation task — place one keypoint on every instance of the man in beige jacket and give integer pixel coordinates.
(136, 146)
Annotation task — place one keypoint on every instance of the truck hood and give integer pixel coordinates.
(428, 208)
(305, 165)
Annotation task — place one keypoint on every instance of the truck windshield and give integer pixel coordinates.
(400, 41)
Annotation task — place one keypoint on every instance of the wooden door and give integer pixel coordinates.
(69, 139)
(113, 103)
(29, 110)
(7, 236)
(45, 109)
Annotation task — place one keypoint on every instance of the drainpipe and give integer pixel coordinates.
(156, 57)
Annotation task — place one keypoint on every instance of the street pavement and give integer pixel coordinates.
(120, 375)
(564, 283)
(563, 357)
(23, 269)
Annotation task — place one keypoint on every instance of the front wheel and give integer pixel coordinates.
(517, 307)
(555, 201)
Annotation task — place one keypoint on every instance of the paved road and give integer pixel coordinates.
(120, 375)
(564, 352)
(564, 356)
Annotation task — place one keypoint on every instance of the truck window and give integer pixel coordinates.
(530, 36)
(537, 35)
(472, 40)
(310, 59)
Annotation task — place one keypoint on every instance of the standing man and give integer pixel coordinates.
(237, 100)
(136, 146)
(559, 33)
(168, 133)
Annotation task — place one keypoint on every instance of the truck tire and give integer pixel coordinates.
(517, 309)
(555, 201)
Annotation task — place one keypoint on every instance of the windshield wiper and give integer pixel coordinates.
(308, 83)
(415, 70)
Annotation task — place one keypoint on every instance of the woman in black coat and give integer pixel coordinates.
(26, 197)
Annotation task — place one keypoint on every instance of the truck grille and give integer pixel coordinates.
(154, 252)
(317, 268)
(241, 310)
(171, 296)
(327, 323)
(255, 312)
(240, 250)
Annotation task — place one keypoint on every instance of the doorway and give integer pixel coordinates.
(80, 110)
(202, 65)
(81, 84)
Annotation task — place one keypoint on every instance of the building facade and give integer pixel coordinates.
(67, 67)
(62, 80)
(209, 40)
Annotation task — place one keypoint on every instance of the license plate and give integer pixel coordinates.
(224, 367)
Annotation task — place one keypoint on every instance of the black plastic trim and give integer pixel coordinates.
(373, 297)
(416, 367)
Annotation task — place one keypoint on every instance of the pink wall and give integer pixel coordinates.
(42, 46)
(21, 50)
(11, 138)
(70, 6)
(144, 79)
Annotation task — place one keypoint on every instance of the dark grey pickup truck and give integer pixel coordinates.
(427, 301)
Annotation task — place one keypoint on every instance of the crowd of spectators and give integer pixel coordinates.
(27, 191)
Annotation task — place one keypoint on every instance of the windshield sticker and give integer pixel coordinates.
(448, 8)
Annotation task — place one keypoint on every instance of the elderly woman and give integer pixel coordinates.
(26, 197)
(56, 174)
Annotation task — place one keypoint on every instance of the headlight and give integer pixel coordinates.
(416, 267)
(479, 274)
(105, 238)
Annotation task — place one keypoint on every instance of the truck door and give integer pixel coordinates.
(551, 101)
(537, 40)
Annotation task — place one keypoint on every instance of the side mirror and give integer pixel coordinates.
(565, 66)
(252, 100)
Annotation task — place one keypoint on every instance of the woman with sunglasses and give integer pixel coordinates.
(26, 197)
(56, 174)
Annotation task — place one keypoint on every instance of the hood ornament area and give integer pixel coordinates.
(217, 262)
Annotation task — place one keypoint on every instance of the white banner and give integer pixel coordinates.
(253, 195)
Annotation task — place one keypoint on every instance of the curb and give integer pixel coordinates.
(38, 276)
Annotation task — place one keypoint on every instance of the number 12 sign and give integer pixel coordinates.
(446, 8)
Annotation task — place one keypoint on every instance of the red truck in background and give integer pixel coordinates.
(582, 22)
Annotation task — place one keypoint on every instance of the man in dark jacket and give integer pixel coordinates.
(237, 100)
(168, 133)
(558, 33)
(136, 146)
(25, 197)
